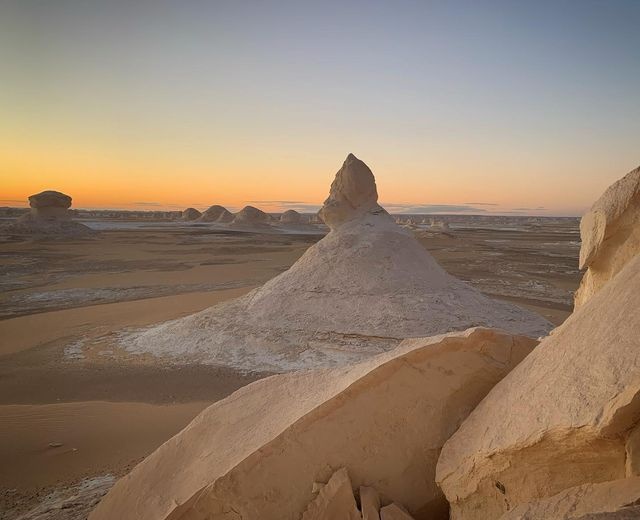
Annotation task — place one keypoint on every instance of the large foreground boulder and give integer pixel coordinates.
(610, 234)
(359, 291)
(617, 500)
(256, 454)
(564, 417)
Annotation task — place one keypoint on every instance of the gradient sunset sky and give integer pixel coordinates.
(506, 106)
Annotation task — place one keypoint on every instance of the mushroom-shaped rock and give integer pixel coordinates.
(190, 214)
(291, 216)
(259, 451)
(564, 417)
(610, 234)
(352, 194)
(49, 215)
(50, 205)
(217, 213)
(359, 291)
(251, 215)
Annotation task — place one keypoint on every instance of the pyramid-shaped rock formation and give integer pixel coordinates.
(190, 214)
(291, 216)
(250, 215)
(259, 452)
(217, 213)
(359, 291)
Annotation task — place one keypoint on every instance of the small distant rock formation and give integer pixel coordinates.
(438, 225)
(218, 214)
(50, 205)
(259, 451)
(190, 214)
(291, 216)
(359, 291)
(610, 234)
(49, 215)
(251, 216)
(568, 415)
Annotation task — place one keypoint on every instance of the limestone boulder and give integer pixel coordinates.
(191, 214)
(610, 234)
(616, 500)
(334, 500)
(352, 194)
(259, 451)
(566, 416)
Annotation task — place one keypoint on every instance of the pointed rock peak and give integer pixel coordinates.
(353, 193)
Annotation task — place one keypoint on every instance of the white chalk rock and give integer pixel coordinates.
(50, 205)
(359, 291)
(217, 213)
(251, 216)
(259, 451)
(190, 214)
(49, 216)
(610, 234)
(291, 216)
(561, 418)
(353, 193)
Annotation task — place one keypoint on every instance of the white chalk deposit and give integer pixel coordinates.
(359, 291)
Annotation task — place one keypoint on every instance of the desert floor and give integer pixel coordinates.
(68, 413)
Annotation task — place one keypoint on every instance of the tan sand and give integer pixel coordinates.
(96, 438)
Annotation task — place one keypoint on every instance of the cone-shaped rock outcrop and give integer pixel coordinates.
(291, 216)
(217, 213)
(190, 214)
(251, 216)
(359, 291)
(610, 234)
(259, 452)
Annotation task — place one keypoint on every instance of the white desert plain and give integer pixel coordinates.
(211, 365)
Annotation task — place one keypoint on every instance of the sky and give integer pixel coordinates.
(516, 107)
